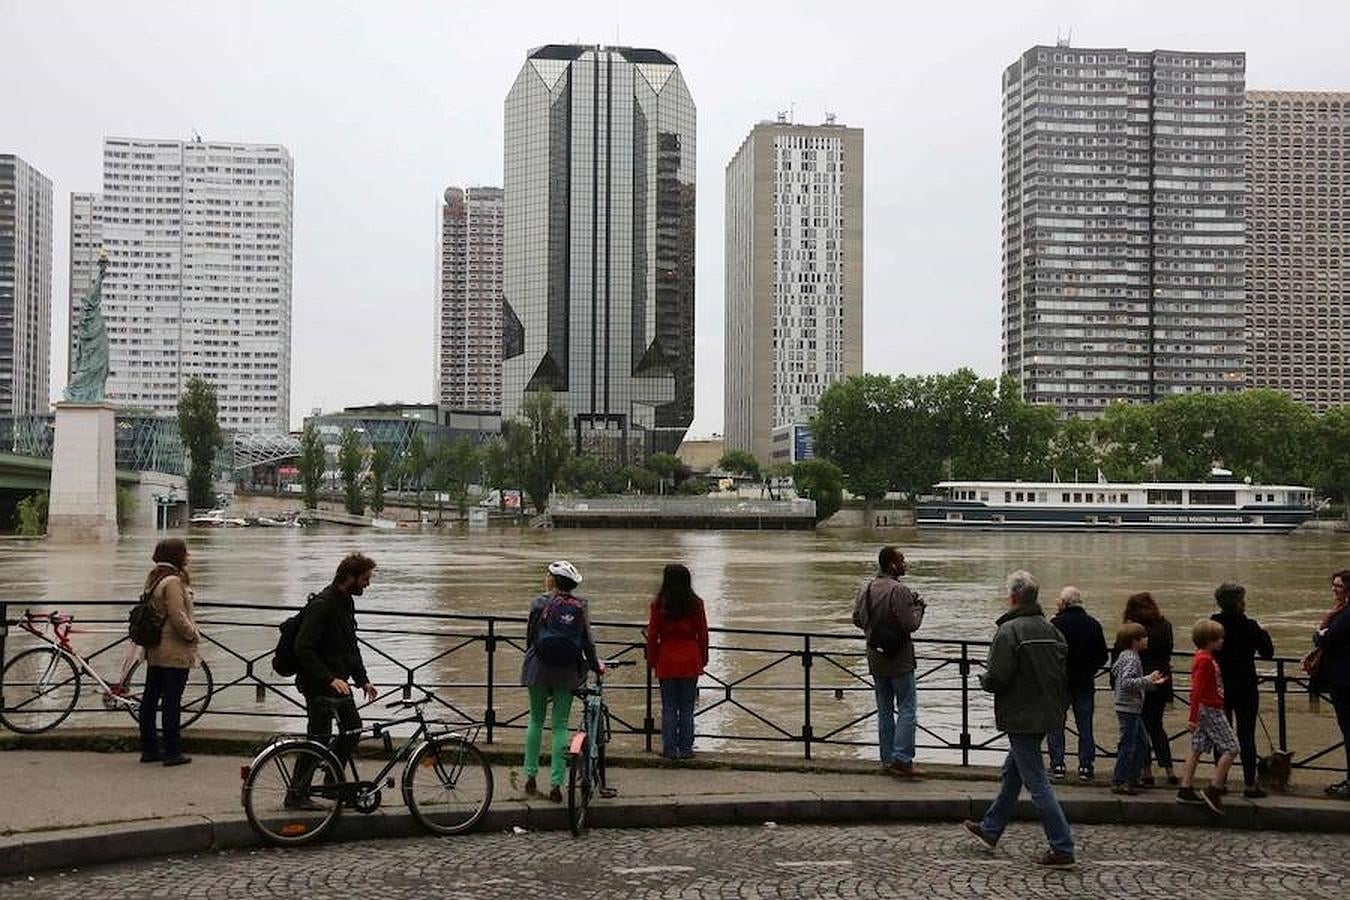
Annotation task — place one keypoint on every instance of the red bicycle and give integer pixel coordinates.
(40, 686)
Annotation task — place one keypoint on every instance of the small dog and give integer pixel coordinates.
(1275, 769)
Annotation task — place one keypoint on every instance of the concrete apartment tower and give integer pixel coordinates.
(25, 288)
(1298, 245)
(198, 237)
(599, 245)
(794, 267)
(1123, 230)
(468, 330)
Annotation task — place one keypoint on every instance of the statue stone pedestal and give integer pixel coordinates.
(83, 504)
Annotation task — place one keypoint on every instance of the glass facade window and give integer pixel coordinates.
(598, 280)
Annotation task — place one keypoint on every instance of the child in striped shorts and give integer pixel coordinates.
(1210, 731)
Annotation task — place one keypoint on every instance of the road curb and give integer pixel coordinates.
(30, 852)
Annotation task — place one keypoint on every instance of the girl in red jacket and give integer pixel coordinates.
(677, 651)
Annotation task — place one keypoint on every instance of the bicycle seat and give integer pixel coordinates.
(407, 704)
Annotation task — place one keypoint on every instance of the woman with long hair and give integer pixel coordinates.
(1155, 657)
(1333, 667)
(677, 651)
(169, 661)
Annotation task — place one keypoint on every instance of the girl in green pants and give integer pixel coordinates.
(558, 650)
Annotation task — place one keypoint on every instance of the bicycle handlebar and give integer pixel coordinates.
(407, 704)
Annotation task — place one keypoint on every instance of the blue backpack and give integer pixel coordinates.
(562, 629)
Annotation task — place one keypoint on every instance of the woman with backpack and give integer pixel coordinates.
(677, 651)
(168, 661)
(558, 651)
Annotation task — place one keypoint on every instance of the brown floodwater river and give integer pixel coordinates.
(781, 581)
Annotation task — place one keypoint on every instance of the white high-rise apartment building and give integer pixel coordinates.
(1298, 230)
(25, 288)
(1124, 235)
(468, 330)
(198, 237)
(794, 264)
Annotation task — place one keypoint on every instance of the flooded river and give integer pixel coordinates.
(782, 581)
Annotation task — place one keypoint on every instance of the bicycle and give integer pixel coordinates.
(47, 680)
(296, 788)
(586, 752)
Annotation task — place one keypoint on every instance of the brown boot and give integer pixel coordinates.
(531, 786)
(556, 794)
(904, 769)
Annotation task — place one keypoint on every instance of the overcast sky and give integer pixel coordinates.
(383, 104)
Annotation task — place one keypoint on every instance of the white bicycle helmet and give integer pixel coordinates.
(566, 570)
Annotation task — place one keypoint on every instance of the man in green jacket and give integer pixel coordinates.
(1026, 674)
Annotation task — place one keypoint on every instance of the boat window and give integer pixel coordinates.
(1213, 498)
(984, 496)
(1021, 497)
(1101, 498)
(1077, 497)
(1065, 497)
(1164, 496)
(1270, 497)
(1007, 496)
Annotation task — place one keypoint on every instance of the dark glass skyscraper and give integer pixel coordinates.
(599, 245)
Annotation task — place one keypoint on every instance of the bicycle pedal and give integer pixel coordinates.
(389, 782)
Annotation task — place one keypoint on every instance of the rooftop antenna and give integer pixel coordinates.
(196, 136)
(792, 113)
(829, 117)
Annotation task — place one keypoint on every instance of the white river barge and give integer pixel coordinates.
(1214, 506)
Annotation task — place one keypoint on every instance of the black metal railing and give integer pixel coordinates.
(807, 690)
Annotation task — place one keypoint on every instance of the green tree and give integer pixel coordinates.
(30, 516)
(583, 470)
(199, 427)
(1267, 436)
(739, 462)
(351, 459)
(855, 429)
(455, 467)
(667, 467)
(1331, 461)
(313, 461)
(1128, 443)
(637, 478)
(126, 506)
(1073, 451)
(822, 481)
(380, 462)
(543, 450)
(416, 463)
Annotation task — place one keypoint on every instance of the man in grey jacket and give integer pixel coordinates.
(889, 612)
(1026, 674)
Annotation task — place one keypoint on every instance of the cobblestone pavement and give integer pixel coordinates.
(930, 861)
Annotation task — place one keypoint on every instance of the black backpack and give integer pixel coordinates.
(145, 627)
(885, 636)
(284, 660)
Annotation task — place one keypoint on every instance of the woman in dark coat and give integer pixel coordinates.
(1333, 639)
(1156, 657)
(1244, 639)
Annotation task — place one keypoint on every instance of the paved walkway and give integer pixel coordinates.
(81, 808)
(807, 861)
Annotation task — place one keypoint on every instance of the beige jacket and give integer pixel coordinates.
(177, 647)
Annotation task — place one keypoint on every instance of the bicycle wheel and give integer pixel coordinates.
(291, 794)
(40, 687)
(580, 788)
(196, 696)
(447, 785)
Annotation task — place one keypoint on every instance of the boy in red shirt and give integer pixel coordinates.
(1210, 731)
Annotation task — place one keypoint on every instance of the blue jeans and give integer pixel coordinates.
(163, 686)
(1081, 702)
(897, 717)
(1025, 765)
(678, 696)
(1133, 750)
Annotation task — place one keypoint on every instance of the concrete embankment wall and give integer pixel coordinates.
(881, 518)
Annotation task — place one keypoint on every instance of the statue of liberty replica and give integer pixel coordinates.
(89, 374)
(83, 504)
